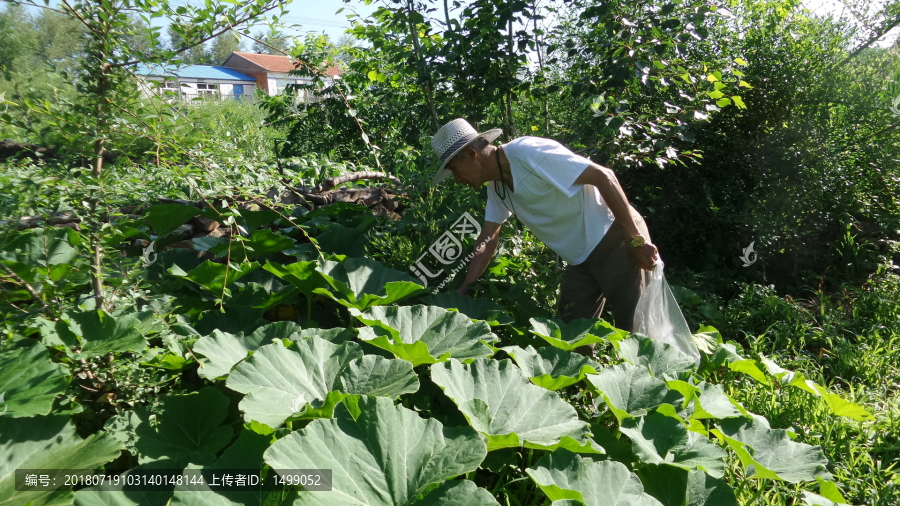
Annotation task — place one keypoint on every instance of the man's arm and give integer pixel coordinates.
(608, 184)
(485, 246)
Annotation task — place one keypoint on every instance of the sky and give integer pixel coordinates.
(320, 15)
(837, 8)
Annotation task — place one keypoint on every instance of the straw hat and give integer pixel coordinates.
(451, 139)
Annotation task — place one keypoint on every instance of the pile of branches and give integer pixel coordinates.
(382, 202)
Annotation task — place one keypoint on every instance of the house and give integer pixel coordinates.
(271, 71)
(198, 81)
(237, 78)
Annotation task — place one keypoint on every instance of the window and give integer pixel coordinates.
(280, 84)
(207, 89)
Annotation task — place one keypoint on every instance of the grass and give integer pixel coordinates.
(848, 341)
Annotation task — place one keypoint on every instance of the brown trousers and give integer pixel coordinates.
(607, 275)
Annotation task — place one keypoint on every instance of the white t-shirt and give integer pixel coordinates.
(569, 218)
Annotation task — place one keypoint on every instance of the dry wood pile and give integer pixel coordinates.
(382, 202)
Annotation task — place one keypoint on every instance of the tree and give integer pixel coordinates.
(274, 42)
(222, 47)
(107, 95)
(194, 55)
(17, 35)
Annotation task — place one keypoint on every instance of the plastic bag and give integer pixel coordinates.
(658, 316)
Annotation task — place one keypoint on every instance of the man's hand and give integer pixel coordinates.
(644, 256)
(463, 290)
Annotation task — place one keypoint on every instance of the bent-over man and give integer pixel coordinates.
(576, 207)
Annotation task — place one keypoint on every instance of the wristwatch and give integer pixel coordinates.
(636, 241)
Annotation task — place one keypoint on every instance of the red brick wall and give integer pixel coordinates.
(262, 81)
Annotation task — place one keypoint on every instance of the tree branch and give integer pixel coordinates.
(355, 176)
(202, 41)
(874, 38)
(34, 294)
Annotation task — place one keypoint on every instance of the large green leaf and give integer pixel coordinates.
(303, 275)
(660, 439)
(29, 380)
(47, 442)
(661, 358)
(842, 407)
(577, 333)
(336, 336)
(710, 401)
(221, 351)
(425, 334)
(165, 218)
(500, 402)
(245, 453)
(811, 499)
(131, 495)
(629, 390)
(216, 277)
(457, 493)
(260, 242)
(56, 334)
(673, 486)
(280, 382)
(381, 454)
(101, 333)
(188, 430)
(372, 375)
(836, 403)
(42, 246)
(563, 475)
(727, 354)
(550, 367)
(770, 453)
(361, 283)
(477, 309)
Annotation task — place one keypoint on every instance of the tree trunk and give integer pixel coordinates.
(537, 44)
(424, 75)
(509, 94)
(99, 149)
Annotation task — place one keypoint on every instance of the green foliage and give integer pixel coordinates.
(425, 334)
(48, 442)
(371, 433)
(550, 367)
(182, 364)
(500, 403)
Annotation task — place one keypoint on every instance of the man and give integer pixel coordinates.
(576, 207)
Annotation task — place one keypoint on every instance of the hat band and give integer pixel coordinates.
(456, 145)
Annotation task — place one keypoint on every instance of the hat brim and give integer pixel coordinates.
(443, 172)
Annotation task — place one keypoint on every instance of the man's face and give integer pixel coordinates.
(466, 169)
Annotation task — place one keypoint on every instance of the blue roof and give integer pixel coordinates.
(192, 71)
